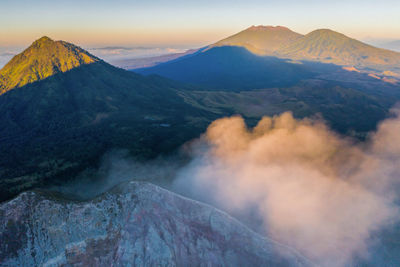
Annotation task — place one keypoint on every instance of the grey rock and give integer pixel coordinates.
(134, 224)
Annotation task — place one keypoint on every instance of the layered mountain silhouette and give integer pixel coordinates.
(264, 43)
(232, 68)
(62, 109)
(323, 45)
(265, 70)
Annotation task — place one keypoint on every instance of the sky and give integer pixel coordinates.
(186, 23)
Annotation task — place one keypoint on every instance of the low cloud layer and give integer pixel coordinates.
(294, 180)
(117, 53)
(117, 167)
(311, 189)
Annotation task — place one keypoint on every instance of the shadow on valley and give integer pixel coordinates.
(232, 80)
(232, 68)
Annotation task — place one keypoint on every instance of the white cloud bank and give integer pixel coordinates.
(314, 190)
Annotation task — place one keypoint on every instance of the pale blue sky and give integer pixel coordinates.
(187, 23)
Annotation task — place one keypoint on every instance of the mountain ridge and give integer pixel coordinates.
(328, 46)
(321, 45)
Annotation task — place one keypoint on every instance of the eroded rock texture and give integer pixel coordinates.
(135, 224)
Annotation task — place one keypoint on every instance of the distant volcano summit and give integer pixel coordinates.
(262, 40)
(42, 59)
(322, 45)
(333, 47)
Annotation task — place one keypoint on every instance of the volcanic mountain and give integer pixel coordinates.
(232, 68)
(267, 42)
(261, 40)
(321, 45)
(62, 109)
(44, 58)
(328, 46)
(266, 70)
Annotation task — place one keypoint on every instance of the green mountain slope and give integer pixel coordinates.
(56, 127)
(262, 40)
(42, 59)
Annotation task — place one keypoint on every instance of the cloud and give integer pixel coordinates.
(5, 57)
(117, 167)
(312, 189)
(294, 180)
(114, 54)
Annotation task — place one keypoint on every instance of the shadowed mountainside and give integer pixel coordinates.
(233, 80)
(322, 45)
(232, 68)
(55, 128)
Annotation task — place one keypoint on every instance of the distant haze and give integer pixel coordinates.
(111, 54)
(192, 23)
(115, 54)
(7, 52)
(384, 43)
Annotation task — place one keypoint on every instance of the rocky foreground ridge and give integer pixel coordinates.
(134, 224)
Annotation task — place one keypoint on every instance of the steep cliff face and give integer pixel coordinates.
(135, 224)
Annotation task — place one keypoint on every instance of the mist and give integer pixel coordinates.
(299, 182)
(118, 166)
(295, 181)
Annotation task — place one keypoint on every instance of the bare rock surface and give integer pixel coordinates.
(134, 224)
